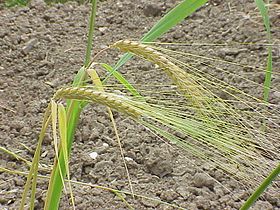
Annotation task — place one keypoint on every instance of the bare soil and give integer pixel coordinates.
(41, 49)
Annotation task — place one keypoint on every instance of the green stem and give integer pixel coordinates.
(73, 114)
(252, 199)
(90, 34)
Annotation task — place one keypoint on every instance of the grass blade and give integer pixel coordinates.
(268, 74)
(54, 124)
(172, 18)
(62, 121)
(74, 109)
(90, 33)
(121, 79)
(265, 184)
(33, 172)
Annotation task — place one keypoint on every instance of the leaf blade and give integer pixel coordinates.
(176, 15)
(268, 73)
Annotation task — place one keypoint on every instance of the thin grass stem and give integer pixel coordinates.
(262, 187)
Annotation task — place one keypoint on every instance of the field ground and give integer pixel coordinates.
(41, 48)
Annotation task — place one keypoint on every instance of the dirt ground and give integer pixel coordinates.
(42, 47)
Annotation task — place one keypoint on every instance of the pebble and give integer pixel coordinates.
(19, 182)
(93, 155)
(219, 190)
(203, 180)
(178, 34)
(159, 163)
(29, 46)
(102, 149)
(242, 195)
(128, 159)
(152, 10)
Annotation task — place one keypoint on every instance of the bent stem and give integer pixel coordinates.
(252, 199)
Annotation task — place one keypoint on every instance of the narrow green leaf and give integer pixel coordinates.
(268, 74)
(121, 79)
(62, 121)
(90, 32)
(54, 123)
(172, 18)
(55, 139)
(263, 186)
(95, 79)
(264, 13)
(33, 172)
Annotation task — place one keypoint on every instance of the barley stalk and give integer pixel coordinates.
(117, 102)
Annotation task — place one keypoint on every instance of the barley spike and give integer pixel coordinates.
(117, 102)
(185, 81)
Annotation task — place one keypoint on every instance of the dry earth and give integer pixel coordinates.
(41, 47)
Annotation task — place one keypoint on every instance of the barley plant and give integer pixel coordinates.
(198, 112)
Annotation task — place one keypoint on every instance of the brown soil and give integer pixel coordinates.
(42, 47)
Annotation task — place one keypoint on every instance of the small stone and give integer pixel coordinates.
(145, 66)
(152, 10)
(3, 200)
(93, 155)
(178, 34)
(203, 180)
(29, 45)
(5, 127)
(215, 2)
(105, 145)
(128, 159)
(276, 94)
(103, 30)
(44, 154)
(242, 195)
(159, 163)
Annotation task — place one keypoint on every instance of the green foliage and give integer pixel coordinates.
(74, 108)
(172, 18)
(13, 3)
(268, 74)
(206, 134)
(259, 191)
